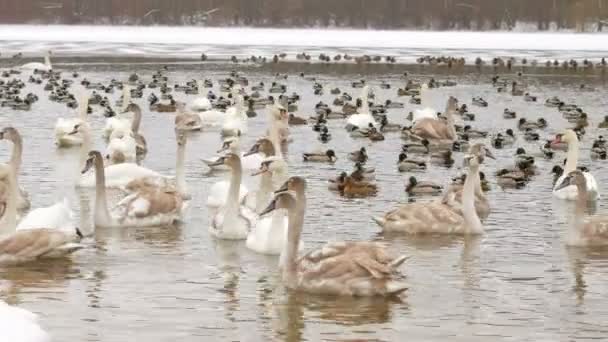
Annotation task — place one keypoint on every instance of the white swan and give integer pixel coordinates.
(338, 268)
(436, 217)
(585, 231)
(364, 118)
(201, 103)
(232, 221)
(11, 134)
(233, 145)
(116, 123)
(57, 216)
(46, 66)
(235, 119)
(30, 244)
(118, 175)
(270, 232)
(570, 192)
(63, 127)
(148, 206)
(20, 325)
(185, 121)
(122, 148)
(426, 112)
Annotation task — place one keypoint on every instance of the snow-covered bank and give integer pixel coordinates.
(307, 37)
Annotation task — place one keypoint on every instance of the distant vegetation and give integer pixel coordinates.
(578, 15)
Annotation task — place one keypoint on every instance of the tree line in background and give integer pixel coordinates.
(579, 15)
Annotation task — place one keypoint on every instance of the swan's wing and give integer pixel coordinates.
(31, 243)
(57, 216)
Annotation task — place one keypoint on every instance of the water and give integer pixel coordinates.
(518, 282)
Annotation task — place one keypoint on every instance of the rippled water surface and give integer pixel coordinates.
(517, 282)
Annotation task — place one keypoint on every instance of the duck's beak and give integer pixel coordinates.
(271, 207)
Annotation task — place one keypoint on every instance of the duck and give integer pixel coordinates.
(20, 325)
(523, 124)
(352, 188)
(28, 245)
(443, 158)
(328, 156)
(368, 270)
(233, 220)
(422, 147)
(437, 217)
(296, 120)
(598, 151)
(361, 173)
(359, 155)
(414, 187)
(64, 126)
(570, 192)
(585, 231)
(12, 134)
(557, 171)
(529, 98)
(324, 135)
(502, 141)
(269, 233)
(509, 114)
(478, 101)
(408, 165)
(604, 123)
(160, 107)
(474, 133)
(531, 135)
(386, 126)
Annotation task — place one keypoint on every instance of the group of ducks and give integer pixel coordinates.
(271, 218)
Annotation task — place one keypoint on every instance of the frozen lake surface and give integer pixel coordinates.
(190, 42)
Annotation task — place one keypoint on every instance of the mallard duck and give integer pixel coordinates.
(352, 188)
(598, 151)
(414, 187)
(603, 124)
(531, 135)
(361, 173)
(511, 178)
(546, 151)
(478, 101)
(503, 140)
(522, 160)
(474, 133)
(359, 156)
(386, 126)
(557, 171)
(529, 98)
(328, 156)
(443, 158)
(406, 165)
(295, 120)
(418, 148)
(337, 184)
(509, 114)
(374, 135)
(523, 124)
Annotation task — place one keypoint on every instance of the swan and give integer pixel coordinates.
(116, 176)
(364, 118)
(436, 217)
(269, 234)
(27, 245)
(434, 129)
(201, 103)
(235, 119)
(570, 192)
(11, 134)
(185, 121)
(590, 231)
(122, 148)
(115, 123)
(148, 206)
(57, 216)
(361, 269)
(141, 145)
(427, 112)
(37, 66)
(20, 325)
(64, 126)
(232, 221)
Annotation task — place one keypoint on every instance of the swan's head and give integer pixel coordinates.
(295, 183)
(264, 146)
(78, 128)
(271, 165)
(481, 151)
(568, 136)
(132, 107)
(93, 156)
(283, 200)
(10, 133)
(575, 177)
(230, 144)
(181, 137)
(452, 103)
(473, 162)
(231, 159)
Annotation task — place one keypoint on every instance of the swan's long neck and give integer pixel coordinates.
(275, 138)
(102, 214)
(232, 202)
(83, 107)
(471, 220)
(424, 96)
(572, 156)
(47, 61)
(263, 196)
(85, 147)
(180, 177)
(450, 118)
(126, 97)
(136, 120)
(8, 222)
(16, 155)
(294, 231)
(478, 189)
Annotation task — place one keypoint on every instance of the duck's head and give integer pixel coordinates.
(412, 181)
(402, 157)
(283, 200)
(331, 154)
(557, 170)
(575, 177)
(522, 121)
(510, 133)
(295, 183)
(520, 151)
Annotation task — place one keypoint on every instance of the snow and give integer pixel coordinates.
(191, 41)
